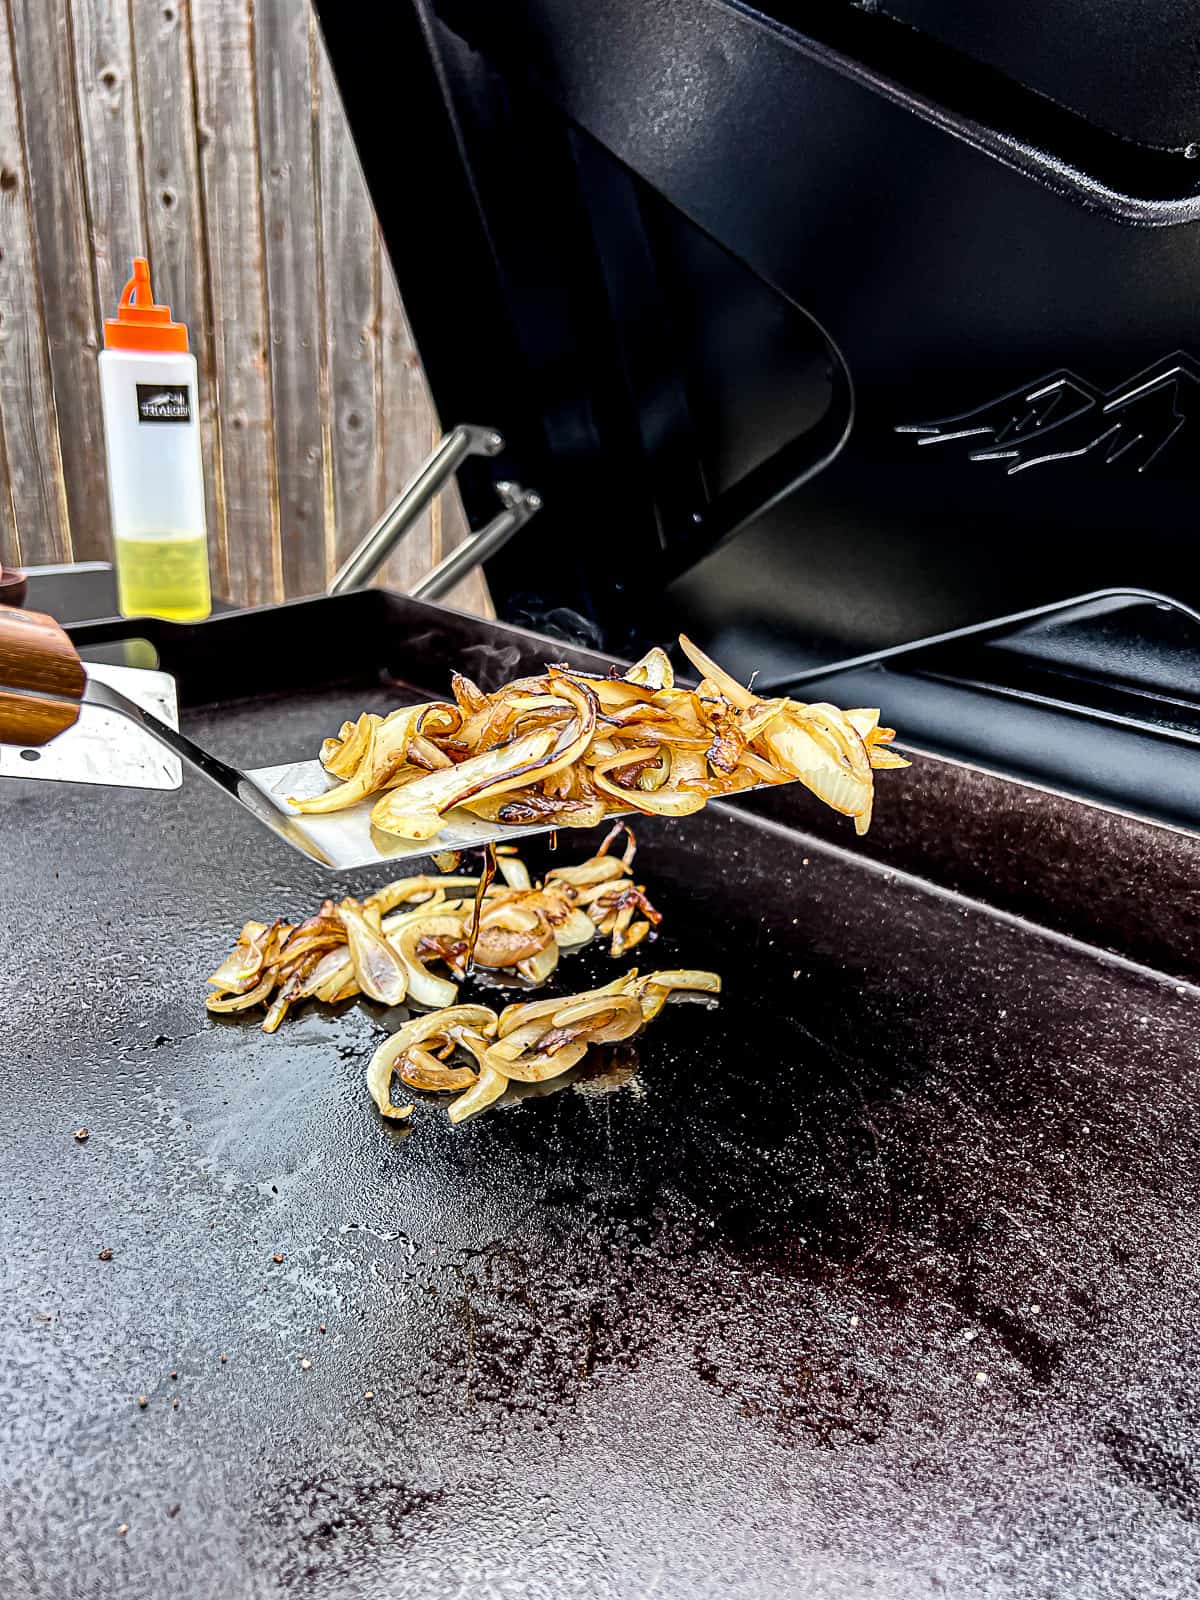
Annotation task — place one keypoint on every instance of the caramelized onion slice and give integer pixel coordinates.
(866, 724)
(420, 1070)
(654, 988)
(600, 869)
(884, 760)
(331, 972)
(341, 756)
(607, 1020)
(292, 989)
(406, 890)
(734, 692)
(542, 1047)
(572, 741)
(379, 1074)
(222, 1002)
(536, 1068)
(576, 930)
(414, 812)
(423, 986)
(425, 754)
(669, 801)
(537, 968)
(387, 746)
(377, 968)
(654, 670)
(629, 937)
(489, 1086)
(512, 869)
(521, 1013)
(794, 743)
(501, 946)
(436, 1025)
(242, 967)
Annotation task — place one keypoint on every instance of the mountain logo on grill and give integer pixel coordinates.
(1064, 418)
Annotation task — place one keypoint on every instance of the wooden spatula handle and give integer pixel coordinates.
(41, 678)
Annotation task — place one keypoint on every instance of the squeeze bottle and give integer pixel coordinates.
(155, 473)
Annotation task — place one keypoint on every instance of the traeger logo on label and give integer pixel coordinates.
(163, 402)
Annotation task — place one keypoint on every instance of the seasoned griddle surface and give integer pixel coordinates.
(880, 1279)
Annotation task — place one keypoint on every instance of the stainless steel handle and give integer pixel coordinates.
(104, 694)
(361, 566)
(519, 505)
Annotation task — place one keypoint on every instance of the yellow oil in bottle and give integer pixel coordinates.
(163, 578)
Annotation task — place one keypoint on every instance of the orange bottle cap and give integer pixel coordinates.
(140, 324)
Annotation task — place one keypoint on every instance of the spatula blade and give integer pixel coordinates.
(345, 839)
(103, 746)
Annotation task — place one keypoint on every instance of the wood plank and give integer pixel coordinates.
(10, 544)
(410, 430)
(471, 593)
(284, 55)
(175, 225)
(407, 428)
(350, 247)
(41, 33)
(105, 91)
(34, 522)
(224, 89)
(191, 130)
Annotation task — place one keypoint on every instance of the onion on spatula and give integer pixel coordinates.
(568, 748)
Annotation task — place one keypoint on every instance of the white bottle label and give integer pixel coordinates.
(163, 402)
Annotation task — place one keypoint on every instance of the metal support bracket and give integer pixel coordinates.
(374, 549)
(519, 505)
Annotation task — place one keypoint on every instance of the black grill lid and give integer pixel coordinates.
(1130, 69)
(820, 327)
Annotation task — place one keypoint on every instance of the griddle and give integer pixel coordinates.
(878, 1278)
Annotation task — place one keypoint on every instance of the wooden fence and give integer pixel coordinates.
(207, 135)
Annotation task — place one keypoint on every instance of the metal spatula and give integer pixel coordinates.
(65, 723)
(53, 709)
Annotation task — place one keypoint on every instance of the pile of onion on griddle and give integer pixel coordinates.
(391, 946)
(414, 939)
(569, 748)
(527, 1043)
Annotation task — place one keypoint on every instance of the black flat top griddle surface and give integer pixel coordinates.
(880, 1279)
